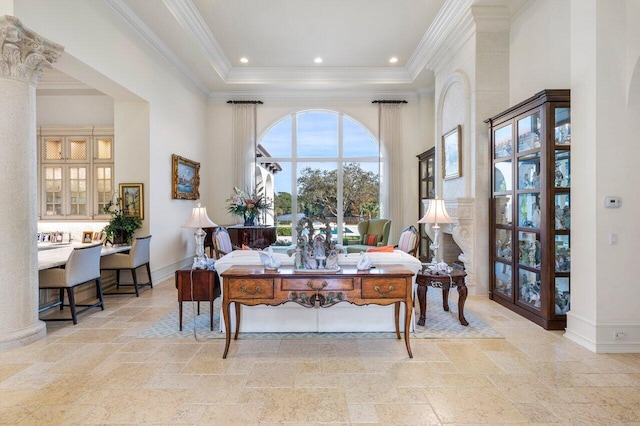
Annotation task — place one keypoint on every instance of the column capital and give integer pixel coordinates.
(23, 53)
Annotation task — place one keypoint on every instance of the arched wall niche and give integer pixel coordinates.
(453, 109)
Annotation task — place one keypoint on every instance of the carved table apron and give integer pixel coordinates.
(253, 285)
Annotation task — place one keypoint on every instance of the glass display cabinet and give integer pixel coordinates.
(426, 190)
(530, 218)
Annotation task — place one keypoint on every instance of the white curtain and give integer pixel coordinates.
(390, 122)
(244, 144)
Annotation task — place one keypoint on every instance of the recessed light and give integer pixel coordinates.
(318, 60)
(393, 60)
(244, 60)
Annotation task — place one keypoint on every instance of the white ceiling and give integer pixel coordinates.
(205, 39)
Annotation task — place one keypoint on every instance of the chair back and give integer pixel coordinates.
(83, 265)
(409, 240)
(139, 254)
(377, 228)
(221, 242)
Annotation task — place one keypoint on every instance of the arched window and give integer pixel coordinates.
(321, 163)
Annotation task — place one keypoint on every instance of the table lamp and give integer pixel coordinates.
(436, 214)
(199, 219)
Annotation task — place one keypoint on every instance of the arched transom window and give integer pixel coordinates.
(321, 163)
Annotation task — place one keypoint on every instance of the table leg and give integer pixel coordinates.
(211, 314)
(422, 301)
(462, 297)
(180, 303)
(397, 312)
(227, 327)
(407, 325)
(445, 296)
(237, 306)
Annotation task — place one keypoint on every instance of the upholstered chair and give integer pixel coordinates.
(222, 242)
(138, 256)
(409, 240)
(373, 233)
(82, 267)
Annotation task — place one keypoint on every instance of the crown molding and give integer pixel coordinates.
(447, 18)
(491, 18)
(145, 33)
(318, 75)
(315, 95)
(192, 22)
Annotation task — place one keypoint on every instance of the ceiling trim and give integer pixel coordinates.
(324, 95)
(140, 28)
(193, 24)
(448, 17)
(319, 75)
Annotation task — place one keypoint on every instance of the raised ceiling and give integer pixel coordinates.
(205, 39)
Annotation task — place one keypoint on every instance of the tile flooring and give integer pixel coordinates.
(98, 372)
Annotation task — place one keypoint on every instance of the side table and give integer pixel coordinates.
(206, 287)
(445, 282)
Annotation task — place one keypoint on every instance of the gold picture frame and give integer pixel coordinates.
(87, 237)
(185, 178)
(132, 200)
(451, 154)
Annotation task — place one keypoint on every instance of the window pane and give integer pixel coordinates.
(317, 185)
(358, 142)
(277, 141)
(317, 134)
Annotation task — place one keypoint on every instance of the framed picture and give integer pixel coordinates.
(451, 161)
(132, 200)
(87, 236)
(186, 178)
(99, 237)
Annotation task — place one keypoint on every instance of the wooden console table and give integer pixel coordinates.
(252, 285)
(206, 287)
(445, 282)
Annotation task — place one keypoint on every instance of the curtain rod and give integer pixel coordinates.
(389, 102)
(245, 102)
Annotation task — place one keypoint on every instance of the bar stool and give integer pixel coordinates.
(137, 256)
(82, 267)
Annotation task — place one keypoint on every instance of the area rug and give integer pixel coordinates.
(439, 325)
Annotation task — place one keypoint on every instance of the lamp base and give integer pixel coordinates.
(200, 262)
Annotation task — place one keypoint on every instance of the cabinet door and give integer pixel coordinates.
(103, 149)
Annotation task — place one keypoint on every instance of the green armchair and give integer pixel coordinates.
(373, 233)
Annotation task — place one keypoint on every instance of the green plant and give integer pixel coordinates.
(120, 228)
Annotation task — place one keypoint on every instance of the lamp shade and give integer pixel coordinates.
(199, 219)
(437, 213)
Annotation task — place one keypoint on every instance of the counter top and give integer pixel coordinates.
(53, 256)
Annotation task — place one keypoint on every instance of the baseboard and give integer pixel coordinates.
(620, 337)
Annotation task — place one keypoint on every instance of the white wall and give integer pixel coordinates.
(74, 110)
(539, 53)
(156, 111)
(220, 119)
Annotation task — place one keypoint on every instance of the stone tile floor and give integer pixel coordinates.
(98, 372)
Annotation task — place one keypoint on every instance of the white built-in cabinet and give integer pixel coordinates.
(75, 172)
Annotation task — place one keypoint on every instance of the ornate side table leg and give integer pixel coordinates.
(445, 296)
(462, 297)
(422, 301)
(227, 327)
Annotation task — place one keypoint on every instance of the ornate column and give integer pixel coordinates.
(23, 56)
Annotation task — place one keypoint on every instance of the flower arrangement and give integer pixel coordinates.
(120, 228)
(248, 205)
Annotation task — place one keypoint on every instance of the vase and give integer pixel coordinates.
(249, 221)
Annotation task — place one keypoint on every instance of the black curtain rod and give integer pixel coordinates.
(389, 102)
(245, 102)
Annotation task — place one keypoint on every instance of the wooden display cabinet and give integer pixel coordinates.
(530, 208)
(426, 190)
